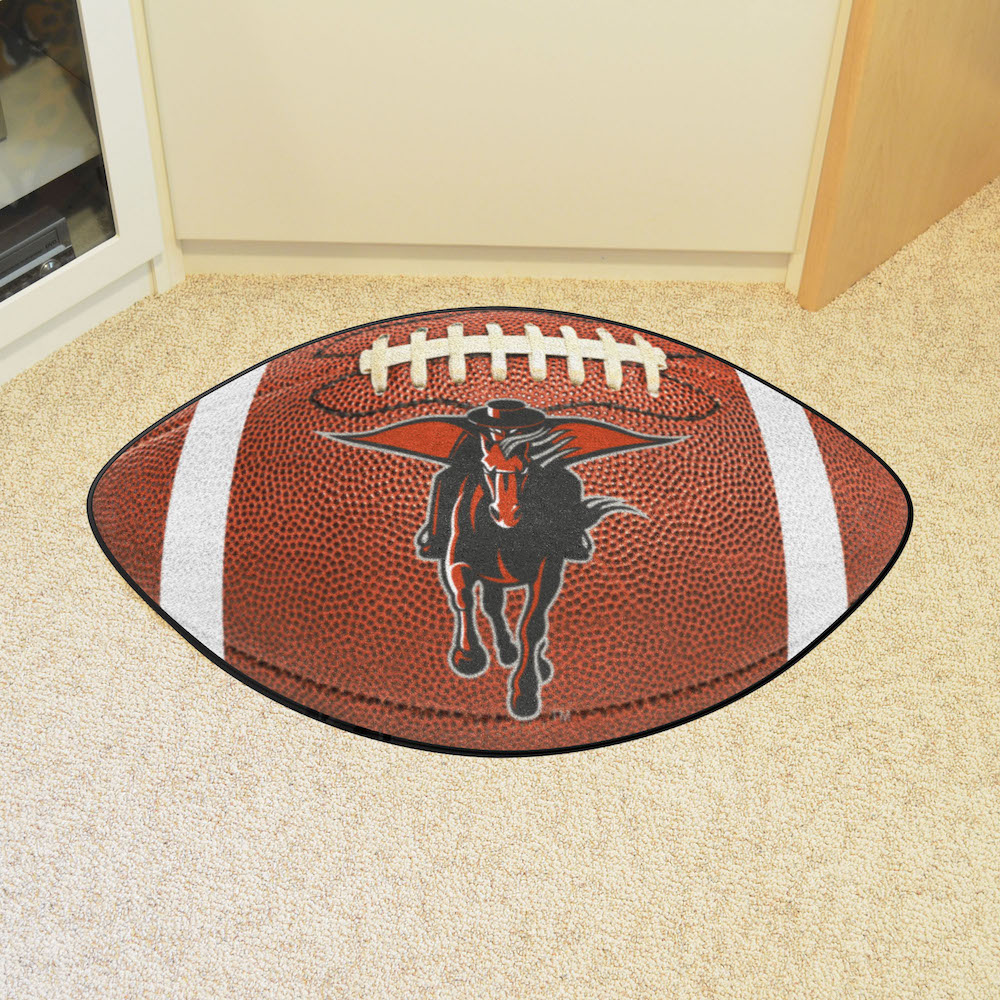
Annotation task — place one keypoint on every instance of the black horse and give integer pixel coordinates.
(506, 511)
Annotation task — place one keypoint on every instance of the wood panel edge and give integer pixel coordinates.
(815, 289)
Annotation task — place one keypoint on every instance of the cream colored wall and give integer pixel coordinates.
(654, 127)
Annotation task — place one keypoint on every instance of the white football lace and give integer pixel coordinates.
(456, 347)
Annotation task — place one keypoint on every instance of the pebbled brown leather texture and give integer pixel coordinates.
(131, 498)
(327, 604)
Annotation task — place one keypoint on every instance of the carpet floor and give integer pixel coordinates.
(167, 832)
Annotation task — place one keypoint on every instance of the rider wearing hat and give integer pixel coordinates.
(490, 423)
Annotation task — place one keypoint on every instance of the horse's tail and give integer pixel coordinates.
(597, 508)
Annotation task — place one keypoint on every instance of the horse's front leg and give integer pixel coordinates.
(468, 657)
(491, 596)
(533, 669)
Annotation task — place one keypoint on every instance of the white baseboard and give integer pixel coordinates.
(20, 354)
(239, 257)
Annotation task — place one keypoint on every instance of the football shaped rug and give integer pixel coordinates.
(500, 531)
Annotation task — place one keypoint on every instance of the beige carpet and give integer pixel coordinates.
(167, 832)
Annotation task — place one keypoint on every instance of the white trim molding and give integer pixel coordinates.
(243, 257)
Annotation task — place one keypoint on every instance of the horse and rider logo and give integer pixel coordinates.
(506, 511)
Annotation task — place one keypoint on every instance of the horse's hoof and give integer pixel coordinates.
(523, 702)
(507, 652)
(469, 663)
